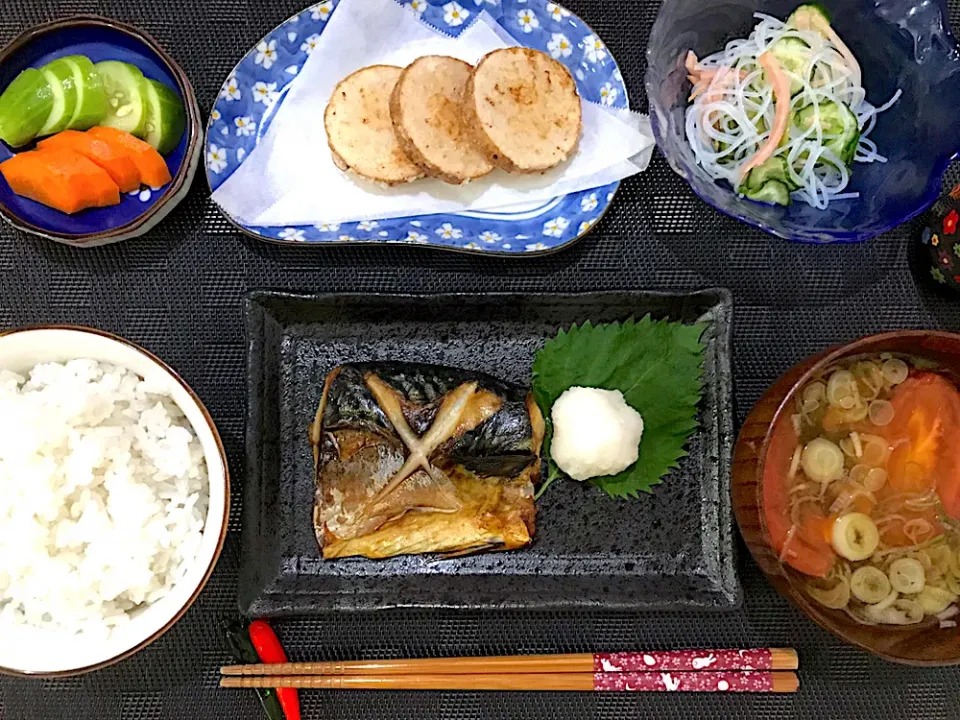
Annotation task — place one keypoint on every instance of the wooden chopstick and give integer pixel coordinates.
(655, 660)
(761, 681)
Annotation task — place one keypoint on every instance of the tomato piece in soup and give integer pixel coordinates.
(925, 435)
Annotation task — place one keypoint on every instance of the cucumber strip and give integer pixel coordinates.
(802, 16)
(775, 168)
(794, 55)
(773, 192)
(838, 121)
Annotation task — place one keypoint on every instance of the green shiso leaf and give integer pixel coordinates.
(656, 364)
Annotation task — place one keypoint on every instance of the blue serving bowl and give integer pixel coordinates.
(101, 39)
(901, 44)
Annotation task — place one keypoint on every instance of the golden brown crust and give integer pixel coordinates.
(522, 110)
(360, 131)
(425, 108)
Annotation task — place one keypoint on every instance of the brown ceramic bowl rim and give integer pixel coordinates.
(820, 361)
(226, 505)
(193, 129)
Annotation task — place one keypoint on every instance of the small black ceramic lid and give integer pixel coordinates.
(938, 252)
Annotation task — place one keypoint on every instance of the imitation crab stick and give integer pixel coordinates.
(60, 179)
(781, 115)
(153, 168)
(118, 163)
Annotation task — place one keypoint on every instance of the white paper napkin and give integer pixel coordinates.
(290, 179)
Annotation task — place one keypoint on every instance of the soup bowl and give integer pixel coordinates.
(910, 644)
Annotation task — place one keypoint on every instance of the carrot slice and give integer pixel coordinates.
(807, 548)
(781, 115)
(118, 163)
(61, 179)
(153, 168)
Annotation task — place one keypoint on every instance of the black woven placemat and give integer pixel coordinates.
(178, 292)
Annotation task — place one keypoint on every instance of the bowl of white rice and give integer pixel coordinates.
(114, 497)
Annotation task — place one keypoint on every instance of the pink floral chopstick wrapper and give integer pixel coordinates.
(723, 681)
(684, 660)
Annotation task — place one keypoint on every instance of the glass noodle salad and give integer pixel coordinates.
(783, 114)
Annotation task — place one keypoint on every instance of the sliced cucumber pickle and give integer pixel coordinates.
(59, 75)
(24, 107)
(166, 117)
(91, 99)
(772, 192)
(835, 119)
(125, 88)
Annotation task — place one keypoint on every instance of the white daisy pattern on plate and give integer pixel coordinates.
(143, 195)
(556, 12)
(448, 232)
(216, 158)
(559, 46)
(536, 246)
(310, 43)
(555, 227)
(245, 126)
(454, 14)
(321, 11)
(265, 93)
(608, 93)
(291, 234)
(528, 21)
(593, 49)
(266, 54)
(231, 91)
(345, 238)
(263, 76)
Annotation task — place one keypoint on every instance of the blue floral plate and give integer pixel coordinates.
(102, 39)
(256, 88)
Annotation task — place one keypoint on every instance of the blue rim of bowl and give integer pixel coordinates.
(850, 238)
(225, 520)
(174, 191)
(386, 241)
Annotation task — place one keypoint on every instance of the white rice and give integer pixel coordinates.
(103, 495)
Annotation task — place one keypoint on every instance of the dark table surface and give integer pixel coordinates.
(178, 292)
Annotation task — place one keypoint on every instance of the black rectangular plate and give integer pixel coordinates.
(669, 550)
